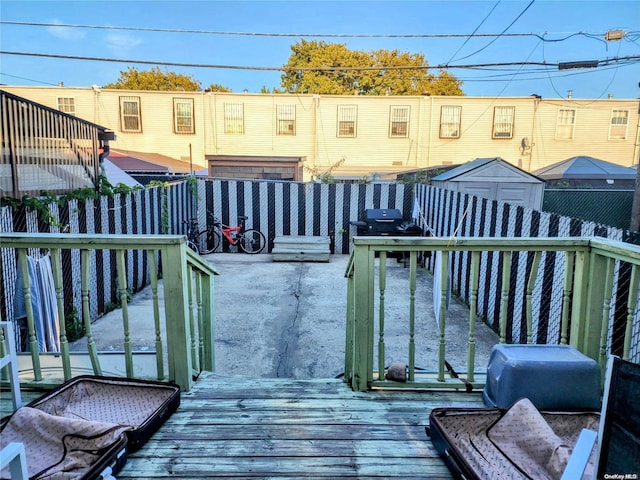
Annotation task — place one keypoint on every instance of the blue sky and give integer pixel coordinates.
(551, 20)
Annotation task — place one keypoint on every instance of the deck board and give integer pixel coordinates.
(236, 427)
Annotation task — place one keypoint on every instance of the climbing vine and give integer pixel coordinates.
(164, 200)
(42, 204)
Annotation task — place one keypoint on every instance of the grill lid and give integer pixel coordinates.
(383, 215)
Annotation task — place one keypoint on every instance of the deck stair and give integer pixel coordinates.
(301, 248)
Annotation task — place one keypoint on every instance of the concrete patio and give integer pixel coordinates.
(287, 319)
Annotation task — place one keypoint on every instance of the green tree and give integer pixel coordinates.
(331, 68)
(216, 87)
(155, 79)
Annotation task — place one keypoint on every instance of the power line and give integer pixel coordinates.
(474, 31)
(307, 35)
(606, 61)
(501, 34)
(276, 69)
(28, 79)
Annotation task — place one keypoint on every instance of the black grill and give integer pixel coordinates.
(389, 222)
(385, 221)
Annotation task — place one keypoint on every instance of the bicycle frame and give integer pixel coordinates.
(228, 231)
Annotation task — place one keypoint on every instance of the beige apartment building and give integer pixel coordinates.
(294, 137)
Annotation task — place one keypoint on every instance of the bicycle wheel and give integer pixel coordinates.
(208, 241)
(252, 241)
(193, 246)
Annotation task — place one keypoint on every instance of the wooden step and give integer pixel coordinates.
(301, 248)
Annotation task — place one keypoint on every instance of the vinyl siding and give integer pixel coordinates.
(372, 150)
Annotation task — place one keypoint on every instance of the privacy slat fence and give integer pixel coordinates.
(453, 215)
(289, 208)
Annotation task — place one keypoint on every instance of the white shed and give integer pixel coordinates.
(495, 179)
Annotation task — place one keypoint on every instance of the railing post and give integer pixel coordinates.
(588, 295)
(348, 347)
(174, 270)
(364, 263)
(208, 362)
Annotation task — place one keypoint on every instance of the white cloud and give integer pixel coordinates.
(66, 33)
(122, 45)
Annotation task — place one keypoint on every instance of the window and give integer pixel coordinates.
(503, 122)
(347, 115)
(234, 118)
(450, 121)
(183, 121)
(286, 119)
(67, 105)
(565, 124)
(618, 126)
(399, 121)
(130, 120)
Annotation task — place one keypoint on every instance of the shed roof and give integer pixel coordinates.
(142, 162)
(481, 163)
(583, 167)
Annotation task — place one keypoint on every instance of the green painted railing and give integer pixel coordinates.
(591, 289)
(188, 308)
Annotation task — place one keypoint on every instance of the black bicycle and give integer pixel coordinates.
(209, 239)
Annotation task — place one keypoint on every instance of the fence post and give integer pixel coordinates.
(175, 276)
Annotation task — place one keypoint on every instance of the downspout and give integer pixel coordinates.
(536, 105)
(430, 132)
(316, 102)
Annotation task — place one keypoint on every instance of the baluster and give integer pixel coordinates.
(444, 283)
(382, 284)
(200, 365)
(631, 306)
(473, 301)
(124, 304)
(606, 313)
(412, 314)
(26, 289)
(567, 293)
(192, 322)
(153, 274)
(531, 283)
(504, 304)
(56, 267)
(85, 256)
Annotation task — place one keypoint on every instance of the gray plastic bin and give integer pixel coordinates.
(551, 376)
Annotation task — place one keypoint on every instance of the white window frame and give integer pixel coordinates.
(503, 120)
(566, 123)
(286, 119)
(450, 119)
(130, 113)
(399, 121)
(67, 105)
(347, 125)
(616, 126)
(183, 116)
(234, 118)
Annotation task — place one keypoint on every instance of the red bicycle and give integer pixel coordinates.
(247, 240)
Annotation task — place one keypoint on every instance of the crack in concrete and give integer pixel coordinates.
(288, 338)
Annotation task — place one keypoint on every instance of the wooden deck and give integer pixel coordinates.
(232, 427)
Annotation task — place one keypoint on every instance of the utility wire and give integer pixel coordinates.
(312, 35)
(28, 79)
(474, 32)
(606, 61)
(502, 34)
